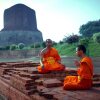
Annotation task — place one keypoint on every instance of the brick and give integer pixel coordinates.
(96, 84)
(13, 79)
(29, 92)
(33, 70)
(6, 76)
(15, 94)
(48, 95)
(42, 89)
(22, 69)
(32, 76)
(23, 79)
(4, 88)
(36, 96)
(2, 63)
(21, 85)
(52, 83)
(23, 64)
(39, 81)
(54, 74)
(20, 82)
(63, 97)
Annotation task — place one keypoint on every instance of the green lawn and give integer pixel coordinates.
(69, 49)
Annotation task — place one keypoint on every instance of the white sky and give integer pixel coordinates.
(57, 18)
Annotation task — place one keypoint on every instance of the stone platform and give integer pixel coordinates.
(21, 81)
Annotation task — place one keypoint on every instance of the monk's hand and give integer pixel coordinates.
(77, 63)
(59, 61)
(42, 66)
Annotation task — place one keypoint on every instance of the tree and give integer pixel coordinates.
(72, 39)
(84, 41)
(43, 44)
(21, 45)
(88, 29)
(13, 47)
(96, 37)
(7, 47)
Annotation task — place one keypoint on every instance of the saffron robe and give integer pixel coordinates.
(50, 61)
(84, 78)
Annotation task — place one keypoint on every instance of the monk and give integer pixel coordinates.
(85, 72)
(50, 59)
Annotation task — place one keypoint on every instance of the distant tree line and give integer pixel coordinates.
(88, 31)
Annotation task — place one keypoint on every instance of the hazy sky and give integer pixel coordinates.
(56, 18)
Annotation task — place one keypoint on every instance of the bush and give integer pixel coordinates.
(7, 47)
(2, 48)
(61, 42)
(54, 43)
(21, 45)
(84, 41)
(32, 45)
(43, 44)
(72, 39)
(96, 37)
(13, 47)
(37, 45)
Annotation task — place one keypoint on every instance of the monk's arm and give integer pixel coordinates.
(41, 62)
(41, 58)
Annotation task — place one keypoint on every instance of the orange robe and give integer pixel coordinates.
(50, 63)
(84, 78)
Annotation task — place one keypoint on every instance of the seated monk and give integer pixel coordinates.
(50, 59)
(85, 72)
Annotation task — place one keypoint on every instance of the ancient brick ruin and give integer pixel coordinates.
(21, 81)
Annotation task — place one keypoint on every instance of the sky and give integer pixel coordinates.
(58, 18)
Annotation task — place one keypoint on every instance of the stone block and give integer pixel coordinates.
(52, 83)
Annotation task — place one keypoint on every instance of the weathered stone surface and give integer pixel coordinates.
(20, 17)
(22, 84)
(20, 26)
(16, 37)
(52, 83)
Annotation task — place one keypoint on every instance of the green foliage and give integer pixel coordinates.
(96, 37)
(21, 45)
(72, 39)
(37, 45)
(88, 29)
(32, 45)
(13, 47)
(84, 41)
(66, 49)
(54, 43)
(94, 49)
(43, 44)
(61, 42)
(2, 48)
(7, 47)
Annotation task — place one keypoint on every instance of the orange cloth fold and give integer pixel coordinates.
(50, 61)
(84, 78)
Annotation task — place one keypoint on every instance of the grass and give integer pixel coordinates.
(69, 49)
(94, 49)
